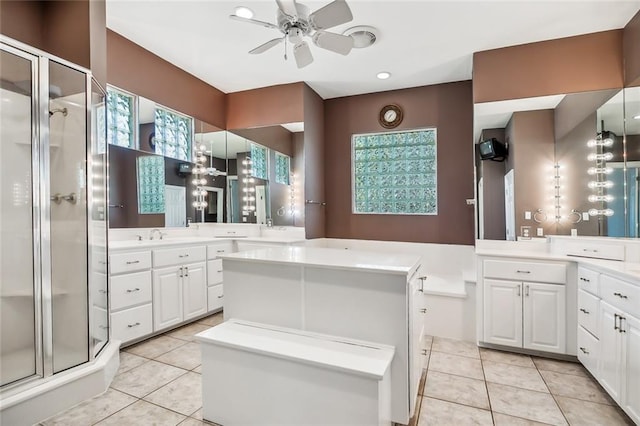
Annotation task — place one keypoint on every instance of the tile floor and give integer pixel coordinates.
(159, 383)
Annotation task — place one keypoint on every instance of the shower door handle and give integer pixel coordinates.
(58, 198)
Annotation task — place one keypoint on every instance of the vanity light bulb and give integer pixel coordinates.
(607, 142)
(252, 180)
(203, 147)
(245, 180)
(596, 170)
(195, 181)
(245, 199)
(196, 193)
(203, 181)
(252, 189)
(608, 212)
(252, 208)
(605, 184)
(596, 198)
(252, 198)
(196, 204)
(245, 189)
(599, 157)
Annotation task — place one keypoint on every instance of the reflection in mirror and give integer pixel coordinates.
(632, 136)
(214, 142)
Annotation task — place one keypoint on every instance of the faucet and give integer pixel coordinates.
(154, 230)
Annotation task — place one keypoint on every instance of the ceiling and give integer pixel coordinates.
(419, 42)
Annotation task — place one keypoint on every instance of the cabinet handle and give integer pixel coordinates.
(590, 250)
(423, 310)
(102, 291)
(518, 290)
(421, 289)
(221, 296)
(523, 272)
(620, 295)
(220, 271)
(585, 280)
(133, 290)
(133, 262)
(133, 325)
(219, 251)
(622, 330)
(424, 352)
(183, 255)
(615, 322)
(584, 350)
(584, 311)
(186, 271)
(180, 272)
(103, 327)
(526, 290)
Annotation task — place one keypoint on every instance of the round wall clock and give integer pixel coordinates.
(390, 116)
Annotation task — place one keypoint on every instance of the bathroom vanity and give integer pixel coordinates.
(347, 293)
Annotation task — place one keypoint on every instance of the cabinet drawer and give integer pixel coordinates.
(588, 307)
(588, 348)
(525, 271)
(588, 280)
(130, 262)
(215, 297)
(620, 294)
(130, 290)
(214, 272)
(218, 249)
(132, 323)
(597, 251)
(179, 256)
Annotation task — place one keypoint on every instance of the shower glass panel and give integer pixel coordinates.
(18, 343)
(68, 215)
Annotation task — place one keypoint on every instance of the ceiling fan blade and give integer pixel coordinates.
(254, 21)
(334, 42)
(266, 46)
(288, 8)
(335, 13)
(302, 53)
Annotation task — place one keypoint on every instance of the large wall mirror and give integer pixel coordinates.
(248, 175)
(572, 166)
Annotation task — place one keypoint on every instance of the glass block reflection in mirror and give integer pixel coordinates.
(150, 184)
(395, 172)
(173, 134)
(120, 118)
(282, 168)
(259, 165)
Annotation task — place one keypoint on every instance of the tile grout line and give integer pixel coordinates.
(486, 388)
(553, 396)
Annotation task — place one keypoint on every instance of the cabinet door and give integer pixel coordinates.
(416, 330)
(631, 370)
(167, 297)
(609, 362)
(503, 312)
(194, 290)
(544, 317)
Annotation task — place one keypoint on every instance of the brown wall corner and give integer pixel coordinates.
(162, 82)
(315, 162)
(631, 46)
(566, 65)
(98, 40)
(449, 108)
(66, 30)
(22, 21)
(265, 106)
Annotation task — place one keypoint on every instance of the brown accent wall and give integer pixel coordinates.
(492, 173)
(22, 21)
(316, 161)
(532, 154)
(449, 108)
(275, 137)
(98, 40)
(266, 106)
(139, 71)
(566, 65)
(66, 30)
(576, 107)
(631, 46)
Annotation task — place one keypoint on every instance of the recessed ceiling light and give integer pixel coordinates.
(384, 75)
(244, 12)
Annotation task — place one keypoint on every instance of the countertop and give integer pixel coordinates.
(624, 270)
(331, 258)
(178, 241)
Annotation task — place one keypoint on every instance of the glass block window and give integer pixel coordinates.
(150, 184)
(259, 166)
(120, 118)
(173, 134)
(395, 173)
(283, 171)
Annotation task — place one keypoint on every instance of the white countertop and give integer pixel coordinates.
(624, 270)
(167, 242)
(332, 258)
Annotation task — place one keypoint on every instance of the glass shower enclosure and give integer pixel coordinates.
(53, 218)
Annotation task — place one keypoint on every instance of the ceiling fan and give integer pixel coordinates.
(295, 23)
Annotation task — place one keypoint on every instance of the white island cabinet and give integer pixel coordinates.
(360, 295)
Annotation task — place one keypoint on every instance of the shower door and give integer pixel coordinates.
(53, 233)
(19, 213)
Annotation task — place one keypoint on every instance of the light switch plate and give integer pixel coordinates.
(585, 216)
(527, 215)
(540, 232)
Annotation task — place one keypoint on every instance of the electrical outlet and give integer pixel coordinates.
(585, 216)
(574, 232)
(540, 232)
(244, 218)
(527, 215)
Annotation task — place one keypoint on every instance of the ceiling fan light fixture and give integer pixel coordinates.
(383, 75)
(244, 12)
(363, 36)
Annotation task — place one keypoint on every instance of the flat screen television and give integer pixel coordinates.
(492, 149)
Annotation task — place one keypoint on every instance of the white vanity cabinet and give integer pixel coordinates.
(524, 304)
(131, 295)
(588, 319)
(215, 290)
(179, 285)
